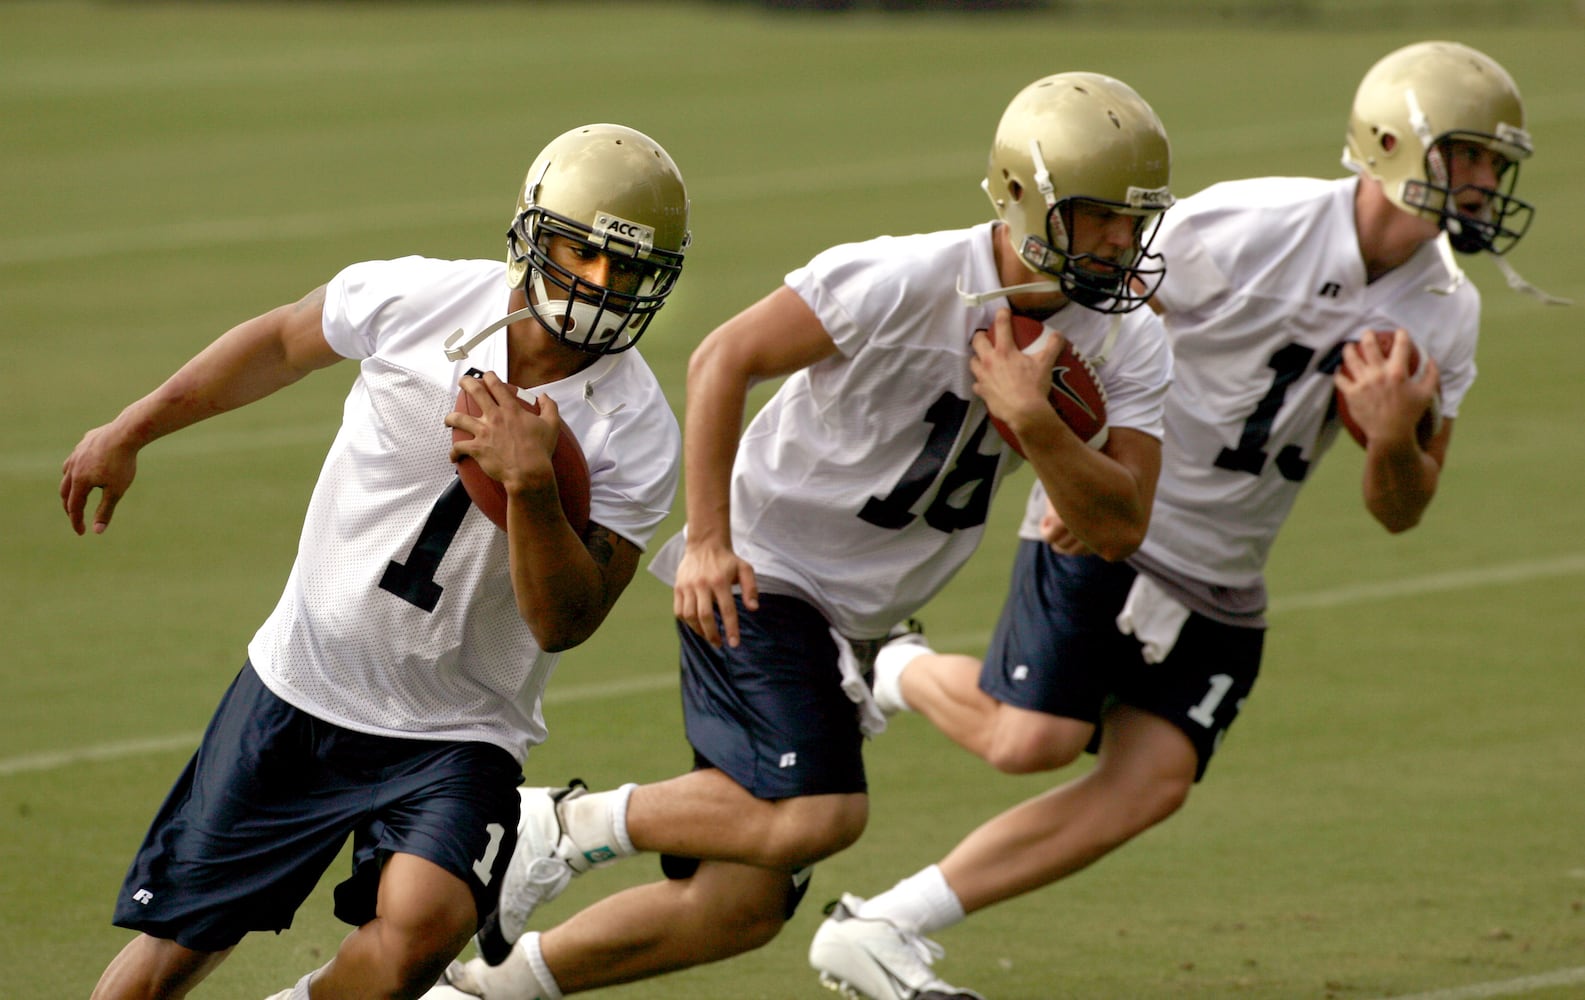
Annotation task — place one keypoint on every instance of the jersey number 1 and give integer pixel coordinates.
(945, 417)
(1288, 364)
(414, 581)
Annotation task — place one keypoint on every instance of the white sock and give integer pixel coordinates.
(546, 988)
(922, 902)
(597, 824)
(889, 664)
(523, 976)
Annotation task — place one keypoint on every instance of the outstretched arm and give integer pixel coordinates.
(247, 363)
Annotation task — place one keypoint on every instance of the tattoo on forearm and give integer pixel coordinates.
(600, 541)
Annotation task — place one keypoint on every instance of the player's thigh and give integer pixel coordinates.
(1056, 649)
(770, 712)
(419, 900)
(1202, 685)
(453, 804)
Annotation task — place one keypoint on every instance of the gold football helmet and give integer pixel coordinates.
(616, 191)
(1074, 138)
(1410, 107)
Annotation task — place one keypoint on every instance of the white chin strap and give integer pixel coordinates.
(1515, 280)
(458, 352)
(582, 314)
(1455, 274)
(980, 298)
(1522, 286)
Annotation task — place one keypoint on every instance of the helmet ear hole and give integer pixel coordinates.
(1015, 190)
(1387, 140)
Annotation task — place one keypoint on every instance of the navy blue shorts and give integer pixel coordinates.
(770, 713)
(272, 794)
(1057, 650)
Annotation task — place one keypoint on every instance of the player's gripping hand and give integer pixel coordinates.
(1387, 391)
(512, 443)
(1056, 534)
(1016, 386)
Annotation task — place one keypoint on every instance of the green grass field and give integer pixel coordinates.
(1400, 811)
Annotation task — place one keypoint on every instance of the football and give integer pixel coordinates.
(1076, 393)
(1430, 422)
(571, 468)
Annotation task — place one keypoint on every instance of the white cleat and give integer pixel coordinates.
(457, 981)
(864, 959)
(476, 980)
(539, 871)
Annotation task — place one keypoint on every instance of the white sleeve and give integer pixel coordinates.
(1194, 279)
(1137, 377)
(356, 304)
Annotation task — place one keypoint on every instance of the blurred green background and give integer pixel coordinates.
(1398, 811)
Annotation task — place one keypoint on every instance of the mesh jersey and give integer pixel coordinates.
(864, 483)
(398, 617)
(1264, 284)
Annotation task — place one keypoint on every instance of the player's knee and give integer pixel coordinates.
(755, 928)
(1025, 759)
(810, 828)
(729, 915)
(1032, 749)
(1148, 803)
(415, 964)
(1161, 799)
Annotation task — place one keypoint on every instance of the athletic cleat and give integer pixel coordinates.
(910, 632)
(542, 865)
(460, 977)
(871, 959)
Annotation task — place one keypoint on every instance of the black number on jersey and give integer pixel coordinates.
(945, 417)
(414, 582)
(1287, 364)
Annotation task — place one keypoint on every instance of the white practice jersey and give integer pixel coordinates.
(398, 617)
(864, 483)
(1264, 285)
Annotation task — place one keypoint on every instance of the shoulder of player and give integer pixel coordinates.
(620, 395)
(1259, 194)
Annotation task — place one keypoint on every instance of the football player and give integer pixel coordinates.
(394, 692)
(1271, 284)
(851, 498)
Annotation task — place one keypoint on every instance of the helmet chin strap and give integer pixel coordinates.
(582, 314)
(1518, 284)
(458, 352)
(1455, 274)
(980, 298)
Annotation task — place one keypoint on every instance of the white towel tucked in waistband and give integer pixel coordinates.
(857, 687)
(1153, 617)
